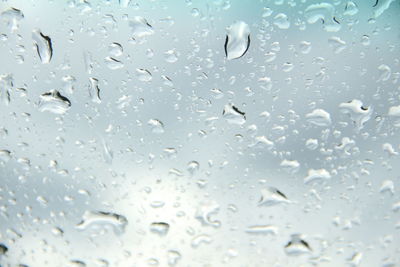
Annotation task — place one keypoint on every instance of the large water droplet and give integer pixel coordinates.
(43, 45)
(237, 40)
(357, 112)
(233, 115)
(54, 102)
(98, 218)
(324, 12)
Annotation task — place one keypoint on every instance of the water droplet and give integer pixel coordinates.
(94, 90)
(76, 263)
(233, 115)
(160, 228)
(201, 239)
(387, 186)
(297, 246)
(68, 83)
(54, 102)
(324, 12)
(272, 196)
(316, 175)
(5, 155)
(6, 85)
(12, 16)
(381, 6)
(262, 142)
(143, 75)
(173, 257)
(384, 72)
(115, 49)
(262, 230)
(140, 27)
(171, 56)
(337, 44)
(305, 47)
(96, 218)
(204, 213)
(350, 9)
(113, 64)
(291, 165)
(319, 117)
(156, 126)
(237, 40)
(357, 112)
(282, 21)
(43, 45)
(193, 167)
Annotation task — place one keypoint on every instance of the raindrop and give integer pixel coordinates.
(171, 56)
(201, 239)
(297, 246)
(140, 27)
(316, 175)
(262, 230)
(6, 85)
(282, 21)
(156, 126)
(43, 46)
(143, 75)
(271, 196)
(237, 40)
(337, 44)
(350, 9)
(12, 16)
(319, 117)
(115, 49)
(90, 218)
(54, 102)
(357, 112)
(204, 213)
(233, 115)
(113, 64)
(160, 228)
(94, 90)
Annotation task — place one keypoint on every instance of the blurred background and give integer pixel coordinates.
(199, 133)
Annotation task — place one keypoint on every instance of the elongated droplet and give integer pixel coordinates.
(319, 117)
(237, 40)
(6, 84)
(262, 230)
(43, 45)
(54, 102)
(89, 218)
(94, 90)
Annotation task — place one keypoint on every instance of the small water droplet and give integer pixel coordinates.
(94, 90)
(143, 75)
(319, 117)
(113, 64)
(233, 115)
(160, 228)
(115, 49)
(271, 196)
(281, 20)
(297, 246)
(316, 175)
